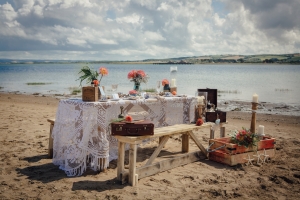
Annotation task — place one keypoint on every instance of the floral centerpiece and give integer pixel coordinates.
(137, 76)
(165, 83)
(91, 76)
(244, 138)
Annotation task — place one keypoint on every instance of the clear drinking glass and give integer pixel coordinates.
(158, 84)
(114, 87)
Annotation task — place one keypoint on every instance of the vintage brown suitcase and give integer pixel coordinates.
(137, 128)
(213, 116)
(212, 97)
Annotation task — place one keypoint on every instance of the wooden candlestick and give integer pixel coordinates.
(253, 119)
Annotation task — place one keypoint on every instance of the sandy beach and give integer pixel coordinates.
(26, 172)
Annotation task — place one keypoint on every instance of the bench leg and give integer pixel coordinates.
(132, 164)
(121, 158)
(185, 143)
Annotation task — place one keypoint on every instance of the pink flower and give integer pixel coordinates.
(132, 92)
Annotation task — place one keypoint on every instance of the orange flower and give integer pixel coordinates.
(164, 82)
(128, 118)
(96, 82)
(199, 122)
(103, 71)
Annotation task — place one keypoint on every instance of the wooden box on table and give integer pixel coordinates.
(90, 93)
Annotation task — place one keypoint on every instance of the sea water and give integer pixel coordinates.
(272, 83)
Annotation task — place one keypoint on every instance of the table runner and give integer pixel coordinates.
(81, 131)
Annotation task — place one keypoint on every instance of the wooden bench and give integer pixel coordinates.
(164, 133)
(50, 145)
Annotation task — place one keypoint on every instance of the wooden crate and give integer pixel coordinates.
(231, 160)
(90, 93)
(230, 148)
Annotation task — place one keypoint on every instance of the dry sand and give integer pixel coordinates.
(27, 173)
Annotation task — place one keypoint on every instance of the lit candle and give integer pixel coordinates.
(261, 129)
(255, 98)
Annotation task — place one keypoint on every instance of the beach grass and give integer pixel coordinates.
(74, 90)
(37, 83)
(229, 91)
(282, 90)
(149, 90)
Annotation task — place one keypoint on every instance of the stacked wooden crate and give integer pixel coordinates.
(232, 154)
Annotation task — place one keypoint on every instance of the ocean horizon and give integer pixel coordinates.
(272, 83)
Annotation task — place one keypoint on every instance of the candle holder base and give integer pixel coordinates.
(173, 89)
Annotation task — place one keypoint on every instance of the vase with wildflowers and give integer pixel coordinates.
(138, 77)
(91, 76)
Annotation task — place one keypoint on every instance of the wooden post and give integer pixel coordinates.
(253, 119)
(50, 144)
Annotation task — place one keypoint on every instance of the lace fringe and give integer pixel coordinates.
(76, 171)
(99, 164)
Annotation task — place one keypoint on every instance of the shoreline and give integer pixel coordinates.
(223, 105)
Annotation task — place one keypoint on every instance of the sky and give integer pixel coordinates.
(146, 29)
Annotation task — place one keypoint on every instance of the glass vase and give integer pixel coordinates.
(137, 87)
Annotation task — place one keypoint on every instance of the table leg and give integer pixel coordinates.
(185, 143)
(121, 158)
(132, 164)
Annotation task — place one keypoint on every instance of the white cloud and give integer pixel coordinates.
(149, 28)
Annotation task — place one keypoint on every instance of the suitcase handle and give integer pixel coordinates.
(131, 133)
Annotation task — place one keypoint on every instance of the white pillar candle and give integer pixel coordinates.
(173, 82)
(255, 98)
(261, 129)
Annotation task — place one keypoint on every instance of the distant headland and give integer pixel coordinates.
(207, 59)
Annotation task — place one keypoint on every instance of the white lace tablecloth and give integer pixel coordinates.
(81, 131)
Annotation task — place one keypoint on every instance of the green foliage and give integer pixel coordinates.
(87, 74)
(74, 90)
(149, 90)
(37, 83)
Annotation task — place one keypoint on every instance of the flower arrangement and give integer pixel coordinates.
(244, 137)
(164, 82)
(138, 76)
(91, 76)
